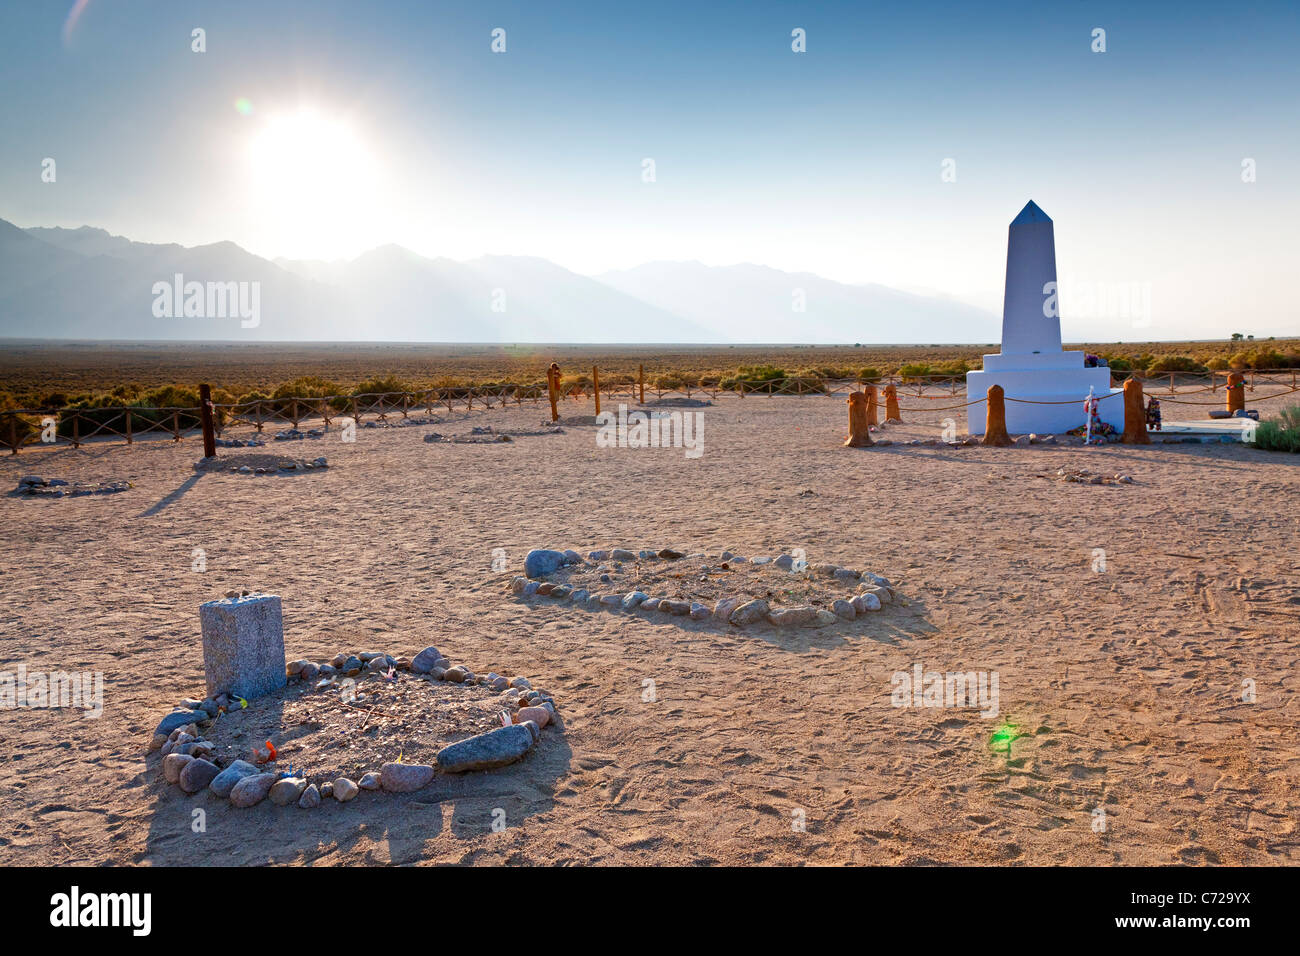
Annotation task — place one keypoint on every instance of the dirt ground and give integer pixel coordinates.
(682, 742)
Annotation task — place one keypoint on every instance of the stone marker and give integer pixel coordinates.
(243, 645)
(225, 781)
(496, 748)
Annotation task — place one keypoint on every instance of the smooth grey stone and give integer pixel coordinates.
(649, 604)
(252, 790)
(793, 616)
(749, 613)
(177, 719)
(622, 554)
(287, 791)
(225, 781)
(700, 612)
(404, 777)
(542, 561)
(496, 748)
(785, 562)
(632, 599)
(844, 609)
(423, 662)
(197, 774)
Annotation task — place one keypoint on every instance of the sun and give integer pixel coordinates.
(314, 184)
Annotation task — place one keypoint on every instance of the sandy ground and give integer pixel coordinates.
(1126, 685)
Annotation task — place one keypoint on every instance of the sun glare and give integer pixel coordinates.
(314, 185)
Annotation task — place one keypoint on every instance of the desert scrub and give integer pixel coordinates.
(1281, 433)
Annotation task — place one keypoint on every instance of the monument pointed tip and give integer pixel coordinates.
(1031, 213)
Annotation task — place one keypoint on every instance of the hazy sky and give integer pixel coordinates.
(368, 123)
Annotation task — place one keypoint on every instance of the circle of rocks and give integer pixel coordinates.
(873, 591)
(36, 486)
(282, 466)
(189, 761)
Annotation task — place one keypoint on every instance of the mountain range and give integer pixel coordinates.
(87, 284)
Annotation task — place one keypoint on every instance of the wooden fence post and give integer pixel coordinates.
(1236, 392)
(128, 423)
(205, 416)
(995, 425)
(1135, 415)
(640, 380)
(595, 386)
(553, 389)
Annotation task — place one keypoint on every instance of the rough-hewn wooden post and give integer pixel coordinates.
(128, 423)
(553, 389)
(1236, 392)
(892, 414)
(859, 430)
(176, 425)
(1135, 415)
(595, 386)
(995, 425)
(640, 380)
(205, 416)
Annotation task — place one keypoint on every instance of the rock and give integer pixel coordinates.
(457, 675)
(793, 616)
(823, 570)
(541, 561)
(195, 748)
(680, 608)
(761, 561)
(739, 559)
(723, 610)
(197, 774)
(225, 781)
(521, 683)
(498, 683)
(593, 601)
(326, 790)
(530, 588)
(649, 604)
(496, 748)
(668, 554)
(726, 556)
(545, 588)
(700, 612)
(632, 599)
(846, 574)
(345, 789)
(572, 557)
(845, 610)
(611, 600)
(883, 595)
(309, 672)
(580, 596)
(866, 602)
(647, 555)
(597, 555)
(785, 562)
(339, 660)
(310, 798)
(243, 645)
(370, 781)
(172, 766)
(561, 591)
(377, 665)
(368, 656)
(518, 584)
(157, 742)
(539, 715)
(749, 613)
(822, 618)
(295, 667)
(622, 554)
(189, 703)
(252, 790)
(404, 777)
(177, 719)
(287, 791)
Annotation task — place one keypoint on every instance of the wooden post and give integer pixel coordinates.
(859, 430)
(176, 426)
(553, 389)
(892, 414)
(1135, 415)
(640, 380)
(128, 421)
(995, 425)
(293, 413)
(1236, 392)
(205, 415)
(259, 416)
(595, 386)
(873, 406)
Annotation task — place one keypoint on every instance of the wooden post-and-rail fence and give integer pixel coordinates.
(79, 425)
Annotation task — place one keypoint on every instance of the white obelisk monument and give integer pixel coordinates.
(1032, 365)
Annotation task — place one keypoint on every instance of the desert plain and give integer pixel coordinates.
(1123, 689)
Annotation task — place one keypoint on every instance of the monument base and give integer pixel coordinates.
(1063, 383)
